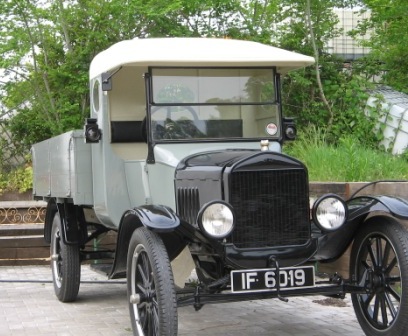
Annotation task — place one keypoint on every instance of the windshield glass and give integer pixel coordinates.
(213, 103)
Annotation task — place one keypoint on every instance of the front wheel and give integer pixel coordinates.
(379, 263)
(150, 286)
(65, 264)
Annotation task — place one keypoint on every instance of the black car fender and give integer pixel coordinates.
(364, 205)
(69, 221)
(332, 245)
(159, 218)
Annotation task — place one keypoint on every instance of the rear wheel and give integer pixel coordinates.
(65, 264)
(379, 262)
(151, 292)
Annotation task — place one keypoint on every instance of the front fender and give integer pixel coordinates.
(155, 217)
(161, 219)
(364, 205)
(332, 245)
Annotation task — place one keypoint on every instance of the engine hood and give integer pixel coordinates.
(199, 178)
(210, 164)
(214, 163)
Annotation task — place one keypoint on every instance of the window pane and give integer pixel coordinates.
(215, 122)
(213, 86)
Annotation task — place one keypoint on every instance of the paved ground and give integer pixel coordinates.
(28, 307)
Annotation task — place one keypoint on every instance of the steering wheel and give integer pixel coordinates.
(182, 129)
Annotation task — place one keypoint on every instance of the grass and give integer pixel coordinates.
(349, 161)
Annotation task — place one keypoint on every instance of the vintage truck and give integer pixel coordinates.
(182, 159)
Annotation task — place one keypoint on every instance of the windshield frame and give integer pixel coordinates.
(151, 104)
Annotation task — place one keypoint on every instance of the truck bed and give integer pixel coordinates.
(63, 168)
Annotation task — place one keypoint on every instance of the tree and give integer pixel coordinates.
(387, 26)
(326, 95)
(46, 48)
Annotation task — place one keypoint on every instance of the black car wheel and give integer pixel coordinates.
(379, 262)
(65, 264)
(151, 292)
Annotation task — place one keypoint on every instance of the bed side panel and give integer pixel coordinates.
(63, 169)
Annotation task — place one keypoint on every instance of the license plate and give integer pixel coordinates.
(264, 280)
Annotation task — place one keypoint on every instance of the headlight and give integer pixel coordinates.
(216, 219)
(329, 212)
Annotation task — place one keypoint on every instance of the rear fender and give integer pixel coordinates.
(69, 223)
(49, 216)
(158, 218)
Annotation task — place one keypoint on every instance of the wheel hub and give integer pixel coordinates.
(379, 281)
(146, 297)
(150, 294)
(376, 281)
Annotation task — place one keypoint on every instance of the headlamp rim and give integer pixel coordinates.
(316, 206)
(200, 217)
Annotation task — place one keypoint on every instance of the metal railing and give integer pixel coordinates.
(26, 212)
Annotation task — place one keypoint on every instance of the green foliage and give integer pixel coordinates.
(340, 105)
(19, 179)
(404, 155)
(348, 161)
(347, 93)
(389, 41)
(46, 51)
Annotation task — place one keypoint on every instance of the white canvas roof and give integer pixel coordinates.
(195, 52)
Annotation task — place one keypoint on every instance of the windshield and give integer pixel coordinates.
(213, 103)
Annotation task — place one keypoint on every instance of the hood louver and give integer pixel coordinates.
(188, 201)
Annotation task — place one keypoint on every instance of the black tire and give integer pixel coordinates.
(379, 261)
(150, 286)
(65, 264)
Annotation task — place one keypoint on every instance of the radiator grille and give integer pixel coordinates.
(272, 208)
(188, 202)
